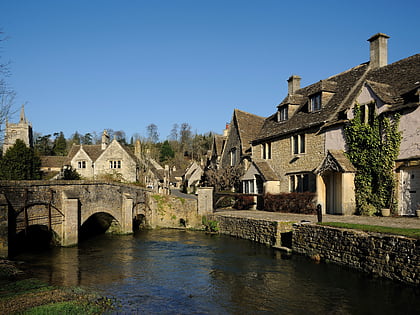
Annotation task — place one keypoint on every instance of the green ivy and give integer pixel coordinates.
(373, 148)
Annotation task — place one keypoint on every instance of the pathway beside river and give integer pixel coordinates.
(398, 222)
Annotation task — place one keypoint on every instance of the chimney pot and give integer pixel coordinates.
(378, 50)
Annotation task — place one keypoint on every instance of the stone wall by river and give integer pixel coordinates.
(392, 257)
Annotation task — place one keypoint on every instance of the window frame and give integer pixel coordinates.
(298, 144)
(266, 151)
(283, 113)
(315, 102)
(81, 164)
(115, 164)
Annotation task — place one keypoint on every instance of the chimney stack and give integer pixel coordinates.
(293, 84)
(105, 140)
(378, 50)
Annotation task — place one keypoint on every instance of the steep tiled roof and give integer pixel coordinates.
(396, 84)
(219, 142)
(265, 170)
(249, 125)
(92, 150)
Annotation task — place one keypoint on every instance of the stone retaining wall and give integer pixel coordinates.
(272, 233)
(392, 257)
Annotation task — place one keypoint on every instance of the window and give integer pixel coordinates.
(283, 113)
(248, 187)
(266, 151)
(115, 164)
(315, 102)
(298, 144)
(301, 183)
(81, 164)
(367, 113)
(233, 157)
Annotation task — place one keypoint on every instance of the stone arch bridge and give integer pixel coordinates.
(64, 206)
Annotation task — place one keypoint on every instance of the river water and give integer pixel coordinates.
(186, 272)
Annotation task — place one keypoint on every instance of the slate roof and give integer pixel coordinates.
(53, 161)
(265, 170)
(249, 125)
(396, 84)
(219, 142)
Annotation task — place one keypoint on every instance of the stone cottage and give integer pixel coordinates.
(301, 146)
(243, 128)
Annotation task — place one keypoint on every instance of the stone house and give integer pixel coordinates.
(215, 153)
(243, 128)
(192, 177)
(107, 159)
(302, 144)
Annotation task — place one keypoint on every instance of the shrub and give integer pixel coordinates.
(244, 202)
(291, 203)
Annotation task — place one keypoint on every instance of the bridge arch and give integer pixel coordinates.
(99, 222)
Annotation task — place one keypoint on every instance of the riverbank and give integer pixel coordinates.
(391, 256)
(21, 293)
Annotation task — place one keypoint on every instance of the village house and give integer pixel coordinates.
(192, 177)
(215, 153)
(301, 146)
(243, 128)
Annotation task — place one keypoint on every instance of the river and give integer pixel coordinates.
(187, 272)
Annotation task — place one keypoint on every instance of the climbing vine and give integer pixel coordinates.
(373, 148)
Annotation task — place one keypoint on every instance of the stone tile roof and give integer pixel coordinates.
(219, 142)
(53, 161)
(266, 171)
(249, 125)
(396, 84)
(92, 150)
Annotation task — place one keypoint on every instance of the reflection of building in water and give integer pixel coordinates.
(22, 131)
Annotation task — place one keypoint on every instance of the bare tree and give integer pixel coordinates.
(7, 95)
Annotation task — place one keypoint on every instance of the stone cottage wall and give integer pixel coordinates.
(392, 257)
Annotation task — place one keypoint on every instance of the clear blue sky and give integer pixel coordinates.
(89, 65)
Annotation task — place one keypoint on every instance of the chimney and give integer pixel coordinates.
(378, 50)
(293, 84)
(137, 149)
(105, 140)
(226, 131)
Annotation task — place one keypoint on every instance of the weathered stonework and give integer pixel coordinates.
(165, 211)
(272, 233)
(392, 257)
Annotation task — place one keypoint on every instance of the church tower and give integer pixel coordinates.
(22, 130)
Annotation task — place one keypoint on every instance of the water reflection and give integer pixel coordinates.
(181, 272)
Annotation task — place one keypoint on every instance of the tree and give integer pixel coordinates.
(166, 152)
(75, 138)
(60, 144)
(7, 95)
(185, 137)
(86, 139)
(43, 145)
(70, 174)
(152, 133)
(120, 136)
(174, 133)
(20, 163)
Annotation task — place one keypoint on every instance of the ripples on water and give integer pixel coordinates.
(184, 272)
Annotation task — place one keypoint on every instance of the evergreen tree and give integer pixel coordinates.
(166, 152)
(20, 163)
(60, 144)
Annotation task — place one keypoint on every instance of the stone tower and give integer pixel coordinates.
(22, 130)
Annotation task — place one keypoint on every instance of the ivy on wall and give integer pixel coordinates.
(373, 148)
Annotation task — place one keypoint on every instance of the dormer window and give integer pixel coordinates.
(283, 113)
(315, 102)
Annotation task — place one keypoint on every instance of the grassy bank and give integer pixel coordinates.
(21, 295)
(413, 233)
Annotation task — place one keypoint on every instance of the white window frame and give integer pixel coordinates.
(115, 164)
(266, 151)
(81, 164)
(315, 102)
(297, 183)
(283, 113)
(298, 143)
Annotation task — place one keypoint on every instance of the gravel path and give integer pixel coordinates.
(403, 222)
